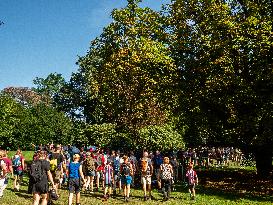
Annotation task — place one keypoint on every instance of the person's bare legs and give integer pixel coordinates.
(144, 187)
(70, 199)
(78, 197)
(44, 199)
(149, 190)
(92, 183)
(128, 190)
(87, 182)
(36, 199)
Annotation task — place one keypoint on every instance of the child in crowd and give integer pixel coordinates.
(75, 173)
(192, 180)
(108, 174)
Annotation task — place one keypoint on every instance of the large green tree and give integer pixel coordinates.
(126, 81)
(25, 121)
(128, 75)
(224, 52)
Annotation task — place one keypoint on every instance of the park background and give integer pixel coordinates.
(193, 73)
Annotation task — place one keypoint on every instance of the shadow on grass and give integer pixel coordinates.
(232, 184)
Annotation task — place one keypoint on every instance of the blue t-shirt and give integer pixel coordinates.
(74, 170)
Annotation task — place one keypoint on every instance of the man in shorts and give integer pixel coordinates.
(146, 175)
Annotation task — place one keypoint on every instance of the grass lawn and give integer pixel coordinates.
(218, 186)
(204, 196)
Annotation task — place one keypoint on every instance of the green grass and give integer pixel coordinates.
(27, 155)
(204, 196)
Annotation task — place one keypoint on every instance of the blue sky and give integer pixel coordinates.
(40, 37)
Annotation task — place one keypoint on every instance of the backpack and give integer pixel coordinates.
(89, 164)
(166, 171)
(53, 164)
(16, 162)
(158, 160)
(36, 172)
(145, 167)
(125, 169)
(116, 165)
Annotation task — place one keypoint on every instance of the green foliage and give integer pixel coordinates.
(23, 125)
(49, 87)
(159, 138)
(224, 52)
(48, 125)
(11, 114)
(101, 135)
(128, 75)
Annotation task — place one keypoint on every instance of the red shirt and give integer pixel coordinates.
(8, 163)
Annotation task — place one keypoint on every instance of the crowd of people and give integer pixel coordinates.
(109, 172)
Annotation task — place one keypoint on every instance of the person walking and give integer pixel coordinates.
(166, 173)
(40, 175)
(3, 174)
(192, 180)
(18, 164)
(75, 173)
(126, 172)
(146, 175)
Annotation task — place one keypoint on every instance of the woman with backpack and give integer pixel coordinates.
(18, 164)
(166, 173)
(40, 175)
(126, 172)
(89, 171)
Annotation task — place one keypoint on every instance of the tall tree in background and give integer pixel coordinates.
(224, 52)
(128, 73)
(127, 80)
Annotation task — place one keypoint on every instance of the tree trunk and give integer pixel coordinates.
(263, 156)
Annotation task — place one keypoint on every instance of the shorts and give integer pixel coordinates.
(99, 174)
(18, 172)
(40, 187)
(126, 180)
(90, 173)
(74, 185)
(157, 174)
(191, 186)
(146, 179)
(6, 180)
